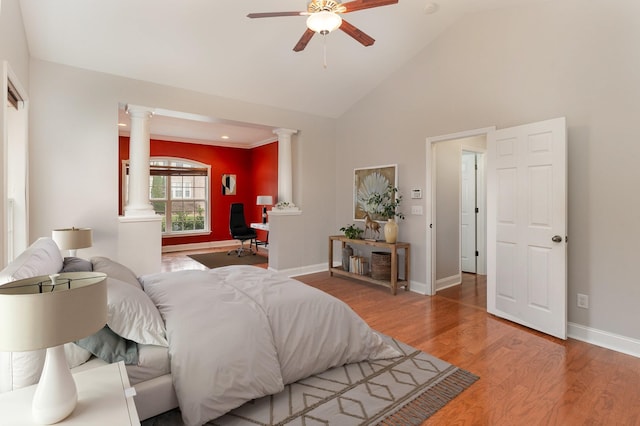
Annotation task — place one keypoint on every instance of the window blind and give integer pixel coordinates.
(12, 95)
(176, 171)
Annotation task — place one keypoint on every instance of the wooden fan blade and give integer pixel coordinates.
(275, 14)
(352, 6)
(304, 40)
(358, 35)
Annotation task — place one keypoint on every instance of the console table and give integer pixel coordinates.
(394, 282)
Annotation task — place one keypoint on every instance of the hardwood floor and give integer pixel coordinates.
(526, 378)
(472, 291)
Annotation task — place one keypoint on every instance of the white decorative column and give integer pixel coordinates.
(285, 224)
(139, 154)
(140, 229)
(285, 165)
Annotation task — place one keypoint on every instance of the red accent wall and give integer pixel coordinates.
(265, 181)
(256, 173)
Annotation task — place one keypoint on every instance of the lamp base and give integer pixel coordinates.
(56, 395)
(264, 214)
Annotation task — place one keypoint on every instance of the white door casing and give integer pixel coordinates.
(527, 225)
(468, 213)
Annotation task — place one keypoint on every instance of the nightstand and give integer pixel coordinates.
(101, 400)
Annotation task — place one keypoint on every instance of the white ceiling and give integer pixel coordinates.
(184, 127)
(211, 46)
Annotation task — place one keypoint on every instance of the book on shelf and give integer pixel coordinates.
(358, 265)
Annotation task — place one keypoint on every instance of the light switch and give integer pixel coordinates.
(416, 210)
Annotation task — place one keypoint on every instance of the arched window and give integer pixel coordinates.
(179, 192)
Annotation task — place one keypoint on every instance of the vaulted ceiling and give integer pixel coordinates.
(211, 46)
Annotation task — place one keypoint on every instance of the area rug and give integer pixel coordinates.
(399, 391)
(218, 259)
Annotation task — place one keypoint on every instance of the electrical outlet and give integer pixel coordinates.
(416, 210)
(583, 301)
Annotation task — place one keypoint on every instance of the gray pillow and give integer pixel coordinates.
(108, 346)
(115, 270)
(75, 264)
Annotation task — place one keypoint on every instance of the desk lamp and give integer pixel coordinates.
(72, 239)
(264, 201)
(47, 312)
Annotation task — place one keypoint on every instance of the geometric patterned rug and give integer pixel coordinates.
(399, 391)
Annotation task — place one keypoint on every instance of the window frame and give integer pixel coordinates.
(168, 232)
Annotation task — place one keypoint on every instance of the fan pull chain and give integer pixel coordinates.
(324, 51)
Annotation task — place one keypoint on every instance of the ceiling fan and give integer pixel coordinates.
(324, 17)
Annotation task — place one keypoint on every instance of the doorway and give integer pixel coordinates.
(444, 218)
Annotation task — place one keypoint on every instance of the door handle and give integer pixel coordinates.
(556, 239)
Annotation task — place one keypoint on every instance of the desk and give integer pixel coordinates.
(262, 227)
(101, 400)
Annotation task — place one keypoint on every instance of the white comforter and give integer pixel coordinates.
(241, 332)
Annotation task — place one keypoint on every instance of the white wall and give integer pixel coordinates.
(572, 58)
(13, 42)
(74, 152)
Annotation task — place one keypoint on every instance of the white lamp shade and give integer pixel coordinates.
(74, 308)
(264, 200)
(324, 22)
(72, 238)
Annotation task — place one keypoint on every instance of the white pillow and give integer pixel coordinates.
(40, 258)
(19, 369)
(133, 315)
(75, 355)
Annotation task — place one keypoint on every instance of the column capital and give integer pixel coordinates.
(139, 111)
(284, 132)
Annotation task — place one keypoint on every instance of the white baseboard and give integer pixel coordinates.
(447, 282)
(303, 270)
(420, 288)
(605, 339)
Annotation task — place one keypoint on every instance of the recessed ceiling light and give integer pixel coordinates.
(431, 7)
(224, 137)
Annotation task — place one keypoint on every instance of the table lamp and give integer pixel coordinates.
(72, 239)
(47, 312)
(264, 201)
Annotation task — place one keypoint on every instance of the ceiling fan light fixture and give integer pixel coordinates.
(324, 22)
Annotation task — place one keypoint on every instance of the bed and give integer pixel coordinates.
(206, 341)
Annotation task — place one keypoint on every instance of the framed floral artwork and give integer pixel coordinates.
(369, 180)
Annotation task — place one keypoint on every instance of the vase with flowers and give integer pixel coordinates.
(385, 205)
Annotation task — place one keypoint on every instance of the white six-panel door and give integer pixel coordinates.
(527, 225)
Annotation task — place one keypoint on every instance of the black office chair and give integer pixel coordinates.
(240, 231)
